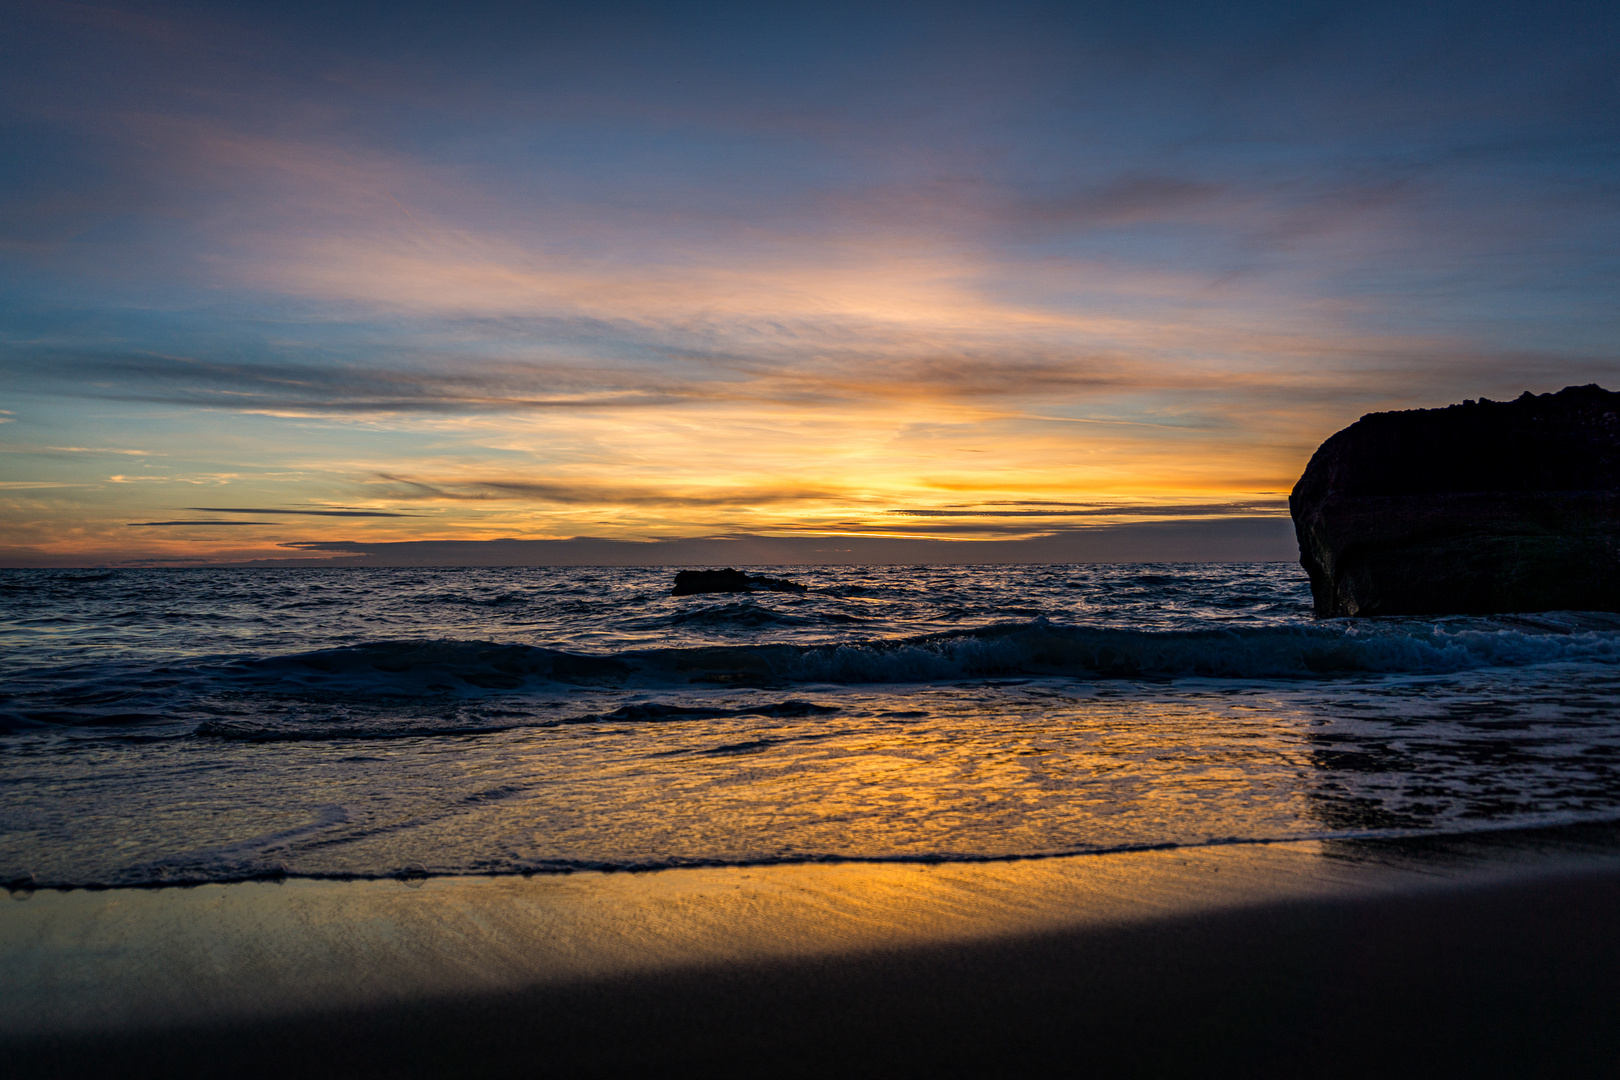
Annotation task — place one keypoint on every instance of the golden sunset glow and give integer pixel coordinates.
(390, 307)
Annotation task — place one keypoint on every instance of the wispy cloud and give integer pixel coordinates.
(24, 485)
(1130, 199)
(305, 513)
(1272, 507)
(149, 524)
(603, 495)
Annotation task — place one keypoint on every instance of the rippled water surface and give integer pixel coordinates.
(190, 725)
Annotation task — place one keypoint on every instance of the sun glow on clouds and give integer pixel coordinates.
(564, 282)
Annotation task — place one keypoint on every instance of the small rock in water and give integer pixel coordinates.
(689, 582)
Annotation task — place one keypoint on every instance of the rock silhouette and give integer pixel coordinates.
(689, 582)
(1477, 508)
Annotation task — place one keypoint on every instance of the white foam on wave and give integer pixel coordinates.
(1269, 652)
(1034, 648)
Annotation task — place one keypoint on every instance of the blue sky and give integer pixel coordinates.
(659, 271)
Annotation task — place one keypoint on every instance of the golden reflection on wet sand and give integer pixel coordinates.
(80, 961)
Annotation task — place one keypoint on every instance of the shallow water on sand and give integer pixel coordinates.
(211, 725)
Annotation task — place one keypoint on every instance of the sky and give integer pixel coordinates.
(287, 281)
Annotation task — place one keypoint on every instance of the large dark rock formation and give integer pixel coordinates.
(1487, 506)
(691, 582)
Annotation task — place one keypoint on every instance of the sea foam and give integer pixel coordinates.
(1037, 648)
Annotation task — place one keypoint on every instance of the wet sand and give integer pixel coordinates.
(1487, 956)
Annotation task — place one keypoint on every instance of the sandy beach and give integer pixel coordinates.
(1491, 955)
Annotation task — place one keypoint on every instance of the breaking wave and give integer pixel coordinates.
(1030, 649)
(127, 693)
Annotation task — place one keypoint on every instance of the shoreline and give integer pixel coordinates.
(608, 971)
(24, 887)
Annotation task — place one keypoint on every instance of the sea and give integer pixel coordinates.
(181, 726)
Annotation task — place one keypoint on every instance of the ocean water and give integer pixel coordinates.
(171, 726)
